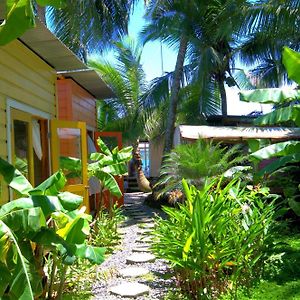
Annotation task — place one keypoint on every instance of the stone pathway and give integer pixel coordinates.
(132, 271)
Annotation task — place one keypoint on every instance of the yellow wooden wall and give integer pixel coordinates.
(26, 78)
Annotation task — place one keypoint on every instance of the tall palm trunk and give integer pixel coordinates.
(223, 97)
(175, 93)
(143, 182)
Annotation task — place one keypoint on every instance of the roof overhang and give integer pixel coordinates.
(47, 46)
(230, 133)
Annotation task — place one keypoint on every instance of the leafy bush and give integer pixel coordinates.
(216, 240)
(196, 162)
(104, 232)
(45, 224)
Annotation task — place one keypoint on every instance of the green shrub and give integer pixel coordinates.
(216, 240)
(104, 232)
(196, 162)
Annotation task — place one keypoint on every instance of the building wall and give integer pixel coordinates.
(75, 103)
(26, 78)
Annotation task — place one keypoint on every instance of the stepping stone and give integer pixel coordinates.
(148, 225)
(140, 258)
(130, 289)
(141, 249)
(134, 272)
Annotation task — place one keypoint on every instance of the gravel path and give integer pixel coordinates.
(159, 279)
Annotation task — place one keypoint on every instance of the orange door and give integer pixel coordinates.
(69, 153)
(116, 138)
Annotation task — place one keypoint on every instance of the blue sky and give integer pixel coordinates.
(152, 59)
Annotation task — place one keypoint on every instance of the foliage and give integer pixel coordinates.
(196, 162)
(105, 232)
(216, 240)
(107, 164)
(287, 153)
(20, 17)
(43, 222)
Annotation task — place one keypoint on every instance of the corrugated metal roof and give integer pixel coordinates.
(45, 44)
(230, 133)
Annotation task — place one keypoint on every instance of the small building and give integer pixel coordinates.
(41, 82)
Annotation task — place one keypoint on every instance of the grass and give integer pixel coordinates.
(282, 272)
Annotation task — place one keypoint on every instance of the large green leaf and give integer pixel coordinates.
(271, 95)
(291, 61)
(124, 155)
(14, 178)
(23, 291)
(94, 254)
(116, 169)
(103, 148)
(19, 18)
(76, 231)
(48, 204)
(280, 115)
(25, 221)
(279, 149)
(54, 3)
(295, 206)
(109, 182)
(71, 166)
(51, 186)
(279, 163)
(70, 201)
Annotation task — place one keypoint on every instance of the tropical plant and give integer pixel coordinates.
(90, 26)
(287, 111)
(44, 222)
(105, 231)
(217, 240)
(20, 17)
(128, 111)
(196, 162)
(106, 165)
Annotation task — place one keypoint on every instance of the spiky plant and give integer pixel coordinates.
(196, 162)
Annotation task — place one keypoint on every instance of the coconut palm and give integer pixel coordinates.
(86, 26)
(127, 110)
(205, 33)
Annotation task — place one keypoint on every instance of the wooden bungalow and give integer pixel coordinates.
(47, 103)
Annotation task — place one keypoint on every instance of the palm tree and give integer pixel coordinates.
(90, 25)
(205, 33)
(127, 111)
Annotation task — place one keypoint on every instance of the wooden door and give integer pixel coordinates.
(69, 153)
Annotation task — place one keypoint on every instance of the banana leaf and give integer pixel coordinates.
(14, 178)
(103, 148)
(51, 186)
(109, 183)
(295, 206)
(48, 205)
(94, 254)
(291, 61)
(20, 285)
(280, 115)
(19, 18)
(116, 169)
(279, 163)
(271, 95)
(70, 201)
(278, 149)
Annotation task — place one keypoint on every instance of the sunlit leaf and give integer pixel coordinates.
(291, 61)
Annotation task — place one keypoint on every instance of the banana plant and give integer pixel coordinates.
(108, 164)
(20, 17)
(286, 153)
(288, 111)
(51, 219)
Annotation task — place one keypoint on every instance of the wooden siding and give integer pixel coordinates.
(26, 78)
(75, 103)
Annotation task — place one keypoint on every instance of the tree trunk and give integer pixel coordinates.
(143, 182)
(175, 93)
(223, 97)
(41, 13)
